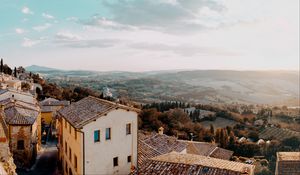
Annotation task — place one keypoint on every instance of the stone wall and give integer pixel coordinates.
(23, 157)
(6, 160)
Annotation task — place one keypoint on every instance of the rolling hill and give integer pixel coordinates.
(199, 86)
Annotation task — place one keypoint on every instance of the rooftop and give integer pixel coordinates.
(3, 128)
(288, 156)
(19, 113)
(88, 109)
(54, 102)
(154, 144)
(176, 163)
(207, 149)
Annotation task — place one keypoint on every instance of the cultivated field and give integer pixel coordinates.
(219, 123)
(277, 133)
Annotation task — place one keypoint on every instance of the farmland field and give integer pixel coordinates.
(219, 123)
(277, 133)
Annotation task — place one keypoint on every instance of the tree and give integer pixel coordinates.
(7, 70)
(232, 140)
(223, 139)
(212, 130)
(218, 136)
(293, 142)
(25, 86)
(1, 66)
(15, 72)
(254, 136)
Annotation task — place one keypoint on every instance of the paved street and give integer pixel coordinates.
(46, 163)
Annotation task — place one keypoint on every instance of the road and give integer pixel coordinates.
(46, 162)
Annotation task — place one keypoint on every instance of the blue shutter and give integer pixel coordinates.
(96, 136)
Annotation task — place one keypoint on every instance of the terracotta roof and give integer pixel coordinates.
(88, 109)
(19, 112)
(20, 116)
(54, 102)
(3, 126)
(288, 156)
(154, 144)
(288, 163)
(175, 163)
(207, 149)
(221, 153)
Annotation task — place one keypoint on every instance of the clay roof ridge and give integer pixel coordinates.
(151, 147)
(215, 149)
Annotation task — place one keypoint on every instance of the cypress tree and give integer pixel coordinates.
(212, 130)
(222, 138)
(1, 66)
(218, 135)
(232, 140)
(15, 72)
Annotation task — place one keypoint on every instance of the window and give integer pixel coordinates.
(128, 159)
(116, 161)
(75, 162)
(108, 134)
(66, 148)
(97, 136)
(70, 154)
(128, 128)
(20, 145)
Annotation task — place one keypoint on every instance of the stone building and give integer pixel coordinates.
(288, 163)
(97, 137)
(191, 164)
(49, 108)
(24, 130)
(7, 166)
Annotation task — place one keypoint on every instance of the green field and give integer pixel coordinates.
(219, 123)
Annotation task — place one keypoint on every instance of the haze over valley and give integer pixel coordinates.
(198, 86)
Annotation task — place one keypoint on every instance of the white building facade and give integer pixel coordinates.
(116, 150)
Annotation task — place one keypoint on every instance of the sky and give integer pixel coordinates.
(147, 35)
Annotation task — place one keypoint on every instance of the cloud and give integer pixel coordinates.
(72, 40)
(72, 18)
(19, 31)
(26, 10)
(166, 15)
(42, 27)
(183, 50)
(67, 36)
(47, 16)
(29, 42)
(103, 22)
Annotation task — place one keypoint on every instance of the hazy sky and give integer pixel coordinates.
(142, 35)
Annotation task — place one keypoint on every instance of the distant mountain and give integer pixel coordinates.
(36, 68)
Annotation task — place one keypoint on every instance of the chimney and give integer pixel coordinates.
(2, 107)
(161, 131)
(13, 98)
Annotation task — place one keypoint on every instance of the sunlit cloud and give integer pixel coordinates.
(29, 42)
(42, 27)
(19, 31)
(47, 16)
(26, 10)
